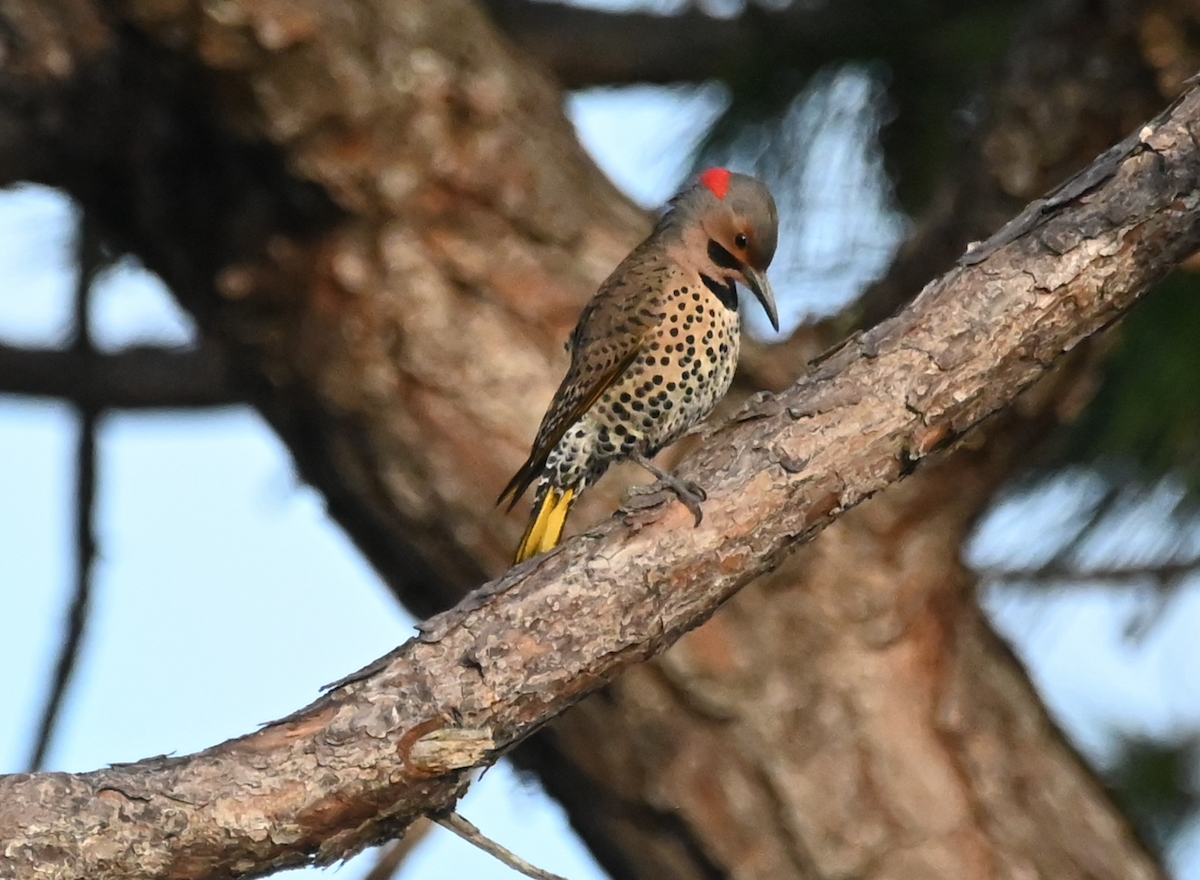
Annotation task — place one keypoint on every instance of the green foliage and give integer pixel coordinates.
(929, 93)
(1154, 781)
(1144, 422)
(928, 57)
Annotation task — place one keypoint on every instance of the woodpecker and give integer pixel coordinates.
(654, 350)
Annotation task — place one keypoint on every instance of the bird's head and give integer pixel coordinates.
(738, 215)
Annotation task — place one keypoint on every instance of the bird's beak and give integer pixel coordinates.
(761, 288)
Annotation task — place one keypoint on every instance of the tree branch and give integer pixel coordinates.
(399, 739)
(134, 378)
(587, 47)
(1164, 575)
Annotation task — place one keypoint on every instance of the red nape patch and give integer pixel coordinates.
(717, 180)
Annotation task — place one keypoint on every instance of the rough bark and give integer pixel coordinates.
(396, 740)
(386, 332)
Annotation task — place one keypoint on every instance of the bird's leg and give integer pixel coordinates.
(688, 493)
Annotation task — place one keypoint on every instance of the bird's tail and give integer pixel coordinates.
(545, 523)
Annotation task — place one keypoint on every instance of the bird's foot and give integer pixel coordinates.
(689, 494)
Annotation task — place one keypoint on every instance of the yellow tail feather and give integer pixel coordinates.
(546, 525)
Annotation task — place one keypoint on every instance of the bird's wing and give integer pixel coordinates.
(608, 338)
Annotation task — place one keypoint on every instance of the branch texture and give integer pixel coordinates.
(396, 740)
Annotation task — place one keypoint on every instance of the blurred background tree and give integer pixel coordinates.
(378, 228)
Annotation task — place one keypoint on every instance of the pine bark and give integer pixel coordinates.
(380, 213)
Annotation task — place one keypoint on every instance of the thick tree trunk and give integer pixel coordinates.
(383, 216)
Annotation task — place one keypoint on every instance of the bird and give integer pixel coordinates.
(653, 351)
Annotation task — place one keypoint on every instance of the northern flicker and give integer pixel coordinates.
(654, 350)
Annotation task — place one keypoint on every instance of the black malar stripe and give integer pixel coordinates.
(726, 293)
(722, 257)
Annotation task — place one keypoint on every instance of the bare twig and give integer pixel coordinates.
(468, 832)
(1165, 575)
(89, 257)
(394, 854)
(1064, 570)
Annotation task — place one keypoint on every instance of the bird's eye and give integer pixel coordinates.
(740, 240)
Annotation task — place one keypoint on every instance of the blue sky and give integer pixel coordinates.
(225, 597)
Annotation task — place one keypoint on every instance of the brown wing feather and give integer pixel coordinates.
(554, 425)
(607, 339)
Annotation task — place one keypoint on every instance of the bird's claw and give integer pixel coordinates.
(689, 494)
(691, 499)
(694, 489)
